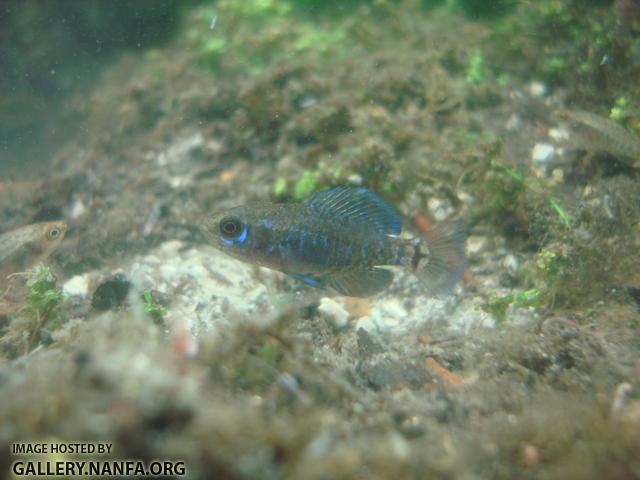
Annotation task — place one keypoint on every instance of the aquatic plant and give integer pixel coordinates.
(306, 185)
(620, 108)
(256, 368)
(251, 35)
(152, 308)
(42, 301)
(551, 262)
(476, 70)
(555, 205)
(279, 187)
(498, 306)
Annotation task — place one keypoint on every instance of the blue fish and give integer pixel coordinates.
(338, 239)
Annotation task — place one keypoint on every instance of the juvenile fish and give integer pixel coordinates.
(602, 134)
(337, 239)
(24, 247)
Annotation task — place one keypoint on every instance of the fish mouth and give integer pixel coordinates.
(205, 228)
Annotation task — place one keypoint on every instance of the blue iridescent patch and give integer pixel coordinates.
(236, 241)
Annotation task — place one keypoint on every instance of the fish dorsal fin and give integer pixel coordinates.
(357, 206)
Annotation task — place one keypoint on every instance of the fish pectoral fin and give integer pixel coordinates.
(360, 283)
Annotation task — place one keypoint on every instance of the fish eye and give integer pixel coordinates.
(230, 227)
(53, 233)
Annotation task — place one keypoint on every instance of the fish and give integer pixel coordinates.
(338, 239)
(23, 247)
(602, 134)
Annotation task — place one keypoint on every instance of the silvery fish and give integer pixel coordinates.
(337, 239)
(24, 247)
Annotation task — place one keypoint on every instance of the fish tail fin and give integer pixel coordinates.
(440, 261)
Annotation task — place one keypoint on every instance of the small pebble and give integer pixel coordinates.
(542, 153)
(77, 285)
(333, 312)
(476, 244)
(78, 208)
(530, 455)
(559, 134)
(537, 89)
(511, 263)
(355, 179)
(514, 123)
(440, 209)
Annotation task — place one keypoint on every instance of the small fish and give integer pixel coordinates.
(338, 239)
(24, 247)
(602, 134)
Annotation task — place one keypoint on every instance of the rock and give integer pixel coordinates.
(77, 285)
(476, 244)
(111, 294)
(333, 312)
(542, 153)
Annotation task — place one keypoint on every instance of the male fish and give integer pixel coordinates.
(338, 239)
(24, 247)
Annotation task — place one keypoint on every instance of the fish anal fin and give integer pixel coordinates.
(360, 283)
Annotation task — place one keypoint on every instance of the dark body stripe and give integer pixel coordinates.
(335, 250)
(308, 244)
